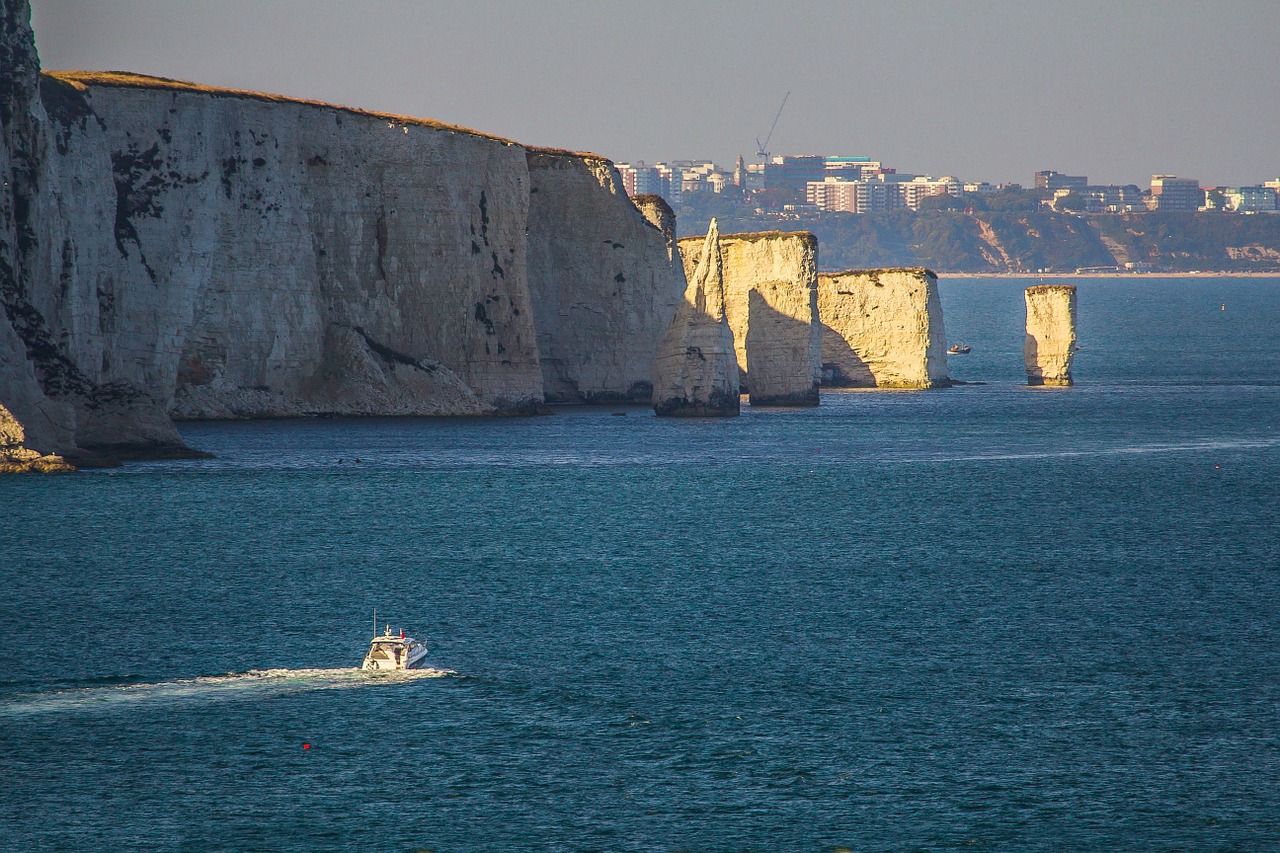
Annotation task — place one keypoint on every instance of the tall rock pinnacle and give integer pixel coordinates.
(696, 371)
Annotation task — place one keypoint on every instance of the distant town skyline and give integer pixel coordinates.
(983, 91)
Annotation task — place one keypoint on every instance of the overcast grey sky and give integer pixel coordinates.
(1113, 89)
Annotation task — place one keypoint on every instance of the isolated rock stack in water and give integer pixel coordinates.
(771, 303)
(882, 328)
(1050, 344)
(696, 371)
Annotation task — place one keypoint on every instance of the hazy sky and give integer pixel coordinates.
(992, 91)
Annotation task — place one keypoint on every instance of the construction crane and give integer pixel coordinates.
(762, 148)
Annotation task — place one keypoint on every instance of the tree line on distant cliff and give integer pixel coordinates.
(1010, 232)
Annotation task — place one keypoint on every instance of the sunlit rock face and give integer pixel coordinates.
(770, 284)
(696, 372)
(16, 457)
(603, 279)
(882, 329)
(1050, 344)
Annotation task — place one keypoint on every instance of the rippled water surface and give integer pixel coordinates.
(990, 617)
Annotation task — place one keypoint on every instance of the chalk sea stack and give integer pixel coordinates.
(1050, 344)
(770, 286)
(882, 328)
(696, 371)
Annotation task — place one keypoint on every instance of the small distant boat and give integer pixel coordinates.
(391, 651)
(958, 349)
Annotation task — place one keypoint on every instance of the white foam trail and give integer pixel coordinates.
(1120, 450)
(254, 684)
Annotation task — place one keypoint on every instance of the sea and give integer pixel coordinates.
(988, 617)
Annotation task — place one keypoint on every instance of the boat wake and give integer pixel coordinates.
(255, 684)
(1205, 446)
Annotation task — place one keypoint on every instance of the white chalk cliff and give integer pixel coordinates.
(882, 329)
(770, 285)
(603, 300)
(61, 407)
(1050, 344)
(248, 246)
(169, 249)
(696, 372)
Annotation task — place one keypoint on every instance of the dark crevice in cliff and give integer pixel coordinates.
(393, 356)
(380, 238)
(483, 316)
(57, 374)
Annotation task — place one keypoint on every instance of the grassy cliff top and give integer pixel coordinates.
(83, 80)
(879, 270)
(755, 236)
(565, 152)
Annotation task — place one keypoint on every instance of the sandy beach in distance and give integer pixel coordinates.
(1133, 275)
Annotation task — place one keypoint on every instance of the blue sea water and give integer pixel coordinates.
(990, 617)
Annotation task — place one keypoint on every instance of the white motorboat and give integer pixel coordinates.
(393, 651)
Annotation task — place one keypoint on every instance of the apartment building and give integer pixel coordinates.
(1053, 181)
(1255, 199)
(885, 191)
(1169, 192)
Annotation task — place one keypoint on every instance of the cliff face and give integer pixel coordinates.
(48, 424)
(770, 284)
(172, 249)
(696, 372)
(61, 407)
(249, 250)
(603, 298)
(1050, 344)
(882, 328)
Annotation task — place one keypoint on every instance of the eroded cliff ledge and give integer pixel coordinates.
(1050, 345)
(882, 329)
(770, 286)
(696, 372)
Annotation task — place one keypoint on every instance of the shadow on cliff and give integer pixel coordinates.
(842, 367)
(782, 361)
(1035, 373)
